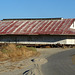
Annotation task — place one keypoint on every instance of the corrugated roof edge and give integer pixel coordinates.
(39, 34)
(33, 19)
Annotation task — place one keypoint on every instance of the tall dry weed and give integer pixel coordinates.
(14, 53)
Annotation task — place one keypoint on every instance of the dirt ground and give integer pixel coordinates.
(19, 67)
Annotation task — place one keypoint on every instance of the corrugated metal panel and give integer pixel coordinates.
(61, 27)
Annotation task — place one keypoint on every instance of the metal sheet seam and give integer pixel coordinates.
(25, 30)
(45, 25)
(25, 26)
(19, 26)
(6, 26)
(54, 25)
(70, 23)
(31, 26)
(40, 26)
(36, 26)
(67, 24)
(10, 25)
(3, 24)
(63, 28)
(49, 26)
(58, 26)
(20, 29)
(63, 25)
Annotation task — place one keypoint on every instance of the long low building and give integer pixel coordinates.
(38, 31)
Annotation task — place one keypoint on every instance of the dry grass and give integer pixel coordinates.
(73, 59)
(47, 47)
(16, 53)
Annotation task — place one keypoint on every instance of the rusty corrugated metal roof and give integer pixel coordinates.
(32, 27)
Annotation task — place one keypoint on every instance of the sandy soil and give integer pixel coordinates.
(27, 66)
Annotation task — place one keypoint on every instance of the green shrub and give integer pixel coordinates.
(32, 48)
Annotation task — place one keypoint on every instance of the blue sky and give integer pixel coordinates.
(37, 9)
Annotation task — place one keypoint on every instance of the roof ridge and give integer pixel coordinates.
(34, 19)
